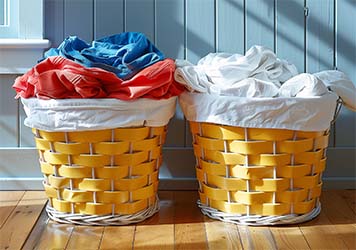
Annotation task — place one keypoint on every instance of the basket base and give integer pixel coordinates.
(258, 220)
(101, 220)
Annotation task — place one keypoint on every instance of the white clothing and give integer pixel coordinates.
(220, 73)
(303, 85)
(339, 83)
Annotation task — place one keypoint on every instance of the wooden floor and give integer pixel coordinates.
(178, 225)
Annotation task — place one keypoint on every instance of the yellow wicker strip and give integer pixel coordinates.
(259, 176)
(105, 177)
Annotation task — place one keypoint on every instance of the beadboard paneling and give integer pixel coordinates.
(313, 34)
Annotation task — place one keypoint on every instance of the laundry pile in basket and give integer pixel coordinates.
(260, 90)
(125, 66)
(81, 80)
(259, 133)
(99, 115)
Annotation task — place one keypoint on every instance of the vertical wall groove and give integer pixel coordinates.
(275, 26)
(245, 26)
(124, 16)
(154, 21)
(216, 25)
(94, 2)
(280, 22)
(18, 130)
(305, 34)
(333, 127)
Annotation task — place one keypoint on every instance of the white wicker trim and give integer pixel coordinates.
(258, 220)
(101, 220)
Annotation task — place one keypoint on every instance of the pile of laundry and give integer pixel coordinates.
(125, 66)
(260, 90)
(121, 80)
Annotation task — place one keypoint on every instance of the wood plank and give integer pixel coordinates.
(188, 221)
(118, 237)
(140, 17)
(22, 219)
(289, 238)
(260, 23)
(8, 202)
(54, 236)
(257, 238)
(75, 10)
(290, 32)
(8, 112)
(230, 26)
(190, 236)
(85, 237)
(350, 197)
(320, 233)
(345, 61)
(108, 17)
(200, 29)
(186, 208)
(34, 237)
(342, 217)
(222, 235)
(154, 237)
(165, 214)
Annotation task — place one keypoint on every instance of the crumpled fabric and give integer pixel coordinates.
(222, 73)
(318, 84)
(124, 54)
(339, 83)
(60, 78)
(303, 85)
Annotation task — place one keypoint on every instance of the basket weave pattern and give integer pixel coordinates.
(103, 172)
(259, 172)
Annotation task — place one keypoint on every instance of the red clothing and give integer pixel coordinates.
(58, 78)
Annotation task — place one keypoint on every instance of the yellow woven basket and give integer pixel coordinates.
(103, 177)
(259, 176)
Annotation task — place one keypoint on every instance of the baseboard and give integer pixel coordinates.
(166, 183)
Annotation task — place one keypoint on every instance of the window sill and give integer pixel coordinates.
(19, 55)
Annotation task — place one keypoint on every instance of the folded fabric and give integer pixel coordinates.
(339, 83)
(220, 73)
(294, 113)
(303, 85)
(58, 78)
(124, 54)
(96, 114)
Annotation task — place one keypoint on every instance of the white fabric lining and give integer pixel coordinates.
(294, 113)
(95, 114)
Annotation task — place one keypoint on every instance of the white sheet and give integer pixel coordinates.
(94, 114)
(222, 73)
(295, 113)
(303, 85)
(339, 83)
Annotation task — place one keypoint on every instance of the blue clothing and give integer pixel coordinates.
(124, 54)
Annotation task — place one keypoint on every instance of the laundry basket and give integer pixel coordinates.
(254, 175)
(100, 176)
